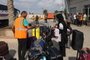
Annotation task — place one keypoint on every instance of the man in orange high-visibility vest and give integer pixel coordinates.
(21, 26)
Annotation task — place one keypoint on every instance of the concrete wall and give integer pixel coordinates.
(79, 4)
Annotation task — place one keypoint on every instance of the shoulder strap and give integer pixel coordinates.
(21, 22)
(35, 32)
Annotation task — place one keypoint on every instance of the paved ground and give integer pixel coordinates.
(7, 36)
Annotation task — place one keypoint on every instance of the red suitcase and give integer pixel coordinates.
(84, 54)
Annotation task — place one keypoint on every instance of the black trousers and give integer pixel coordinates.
(62, 49)
(85, 22)
(21, 49)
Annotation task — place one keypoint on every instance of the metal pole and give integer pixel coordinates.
(77, 57)
(66, 6)
(88, 13)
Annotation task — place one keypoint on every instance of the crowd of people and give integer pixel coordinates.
(79, 19)
(60, 35)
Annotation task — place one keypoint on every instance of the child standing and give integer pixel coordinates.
(57, 33)
(57, 37)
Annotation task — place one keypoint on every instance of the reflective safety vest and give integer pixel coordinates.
(20, 30)
(36, 32)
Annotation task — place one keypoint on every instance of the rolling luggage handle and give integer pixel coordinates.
(77, 56)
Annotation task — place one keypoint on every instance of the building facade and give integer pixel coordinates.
(4, 15)
(4, 12)
(79, 6)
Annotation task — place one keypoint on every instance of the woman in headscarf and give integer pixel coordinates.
(63, 30)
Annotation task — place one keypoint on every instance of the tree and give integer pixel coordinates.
(10, 8)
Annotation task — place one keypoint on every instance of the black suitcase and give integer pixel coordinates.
(77, 40)
(3, 48)
(54, 54)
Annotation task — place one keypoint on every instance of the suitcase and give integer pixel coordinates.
(30, 40)
(84, 54)
(77, 40)
(3, 48)
(42, 43)
(84, 57)
(54, 54)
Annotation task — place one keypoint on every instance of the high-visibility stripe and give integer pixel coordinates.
(33, 32)
(20, 29)
(21, 24)
(36, 32)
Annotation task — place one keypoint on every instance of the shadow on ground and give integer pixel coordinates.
(72, 58)
(11, 55)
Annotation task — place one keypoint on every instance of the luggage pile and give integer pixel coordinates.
(39, 49)
(45, 47)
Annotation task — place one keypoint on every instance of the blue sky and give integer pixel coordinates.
(37, 5)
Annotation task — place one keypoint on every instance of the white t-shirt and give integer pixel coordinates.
(84, 17)
(56, 31)
(74, 16)
(61, 26)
